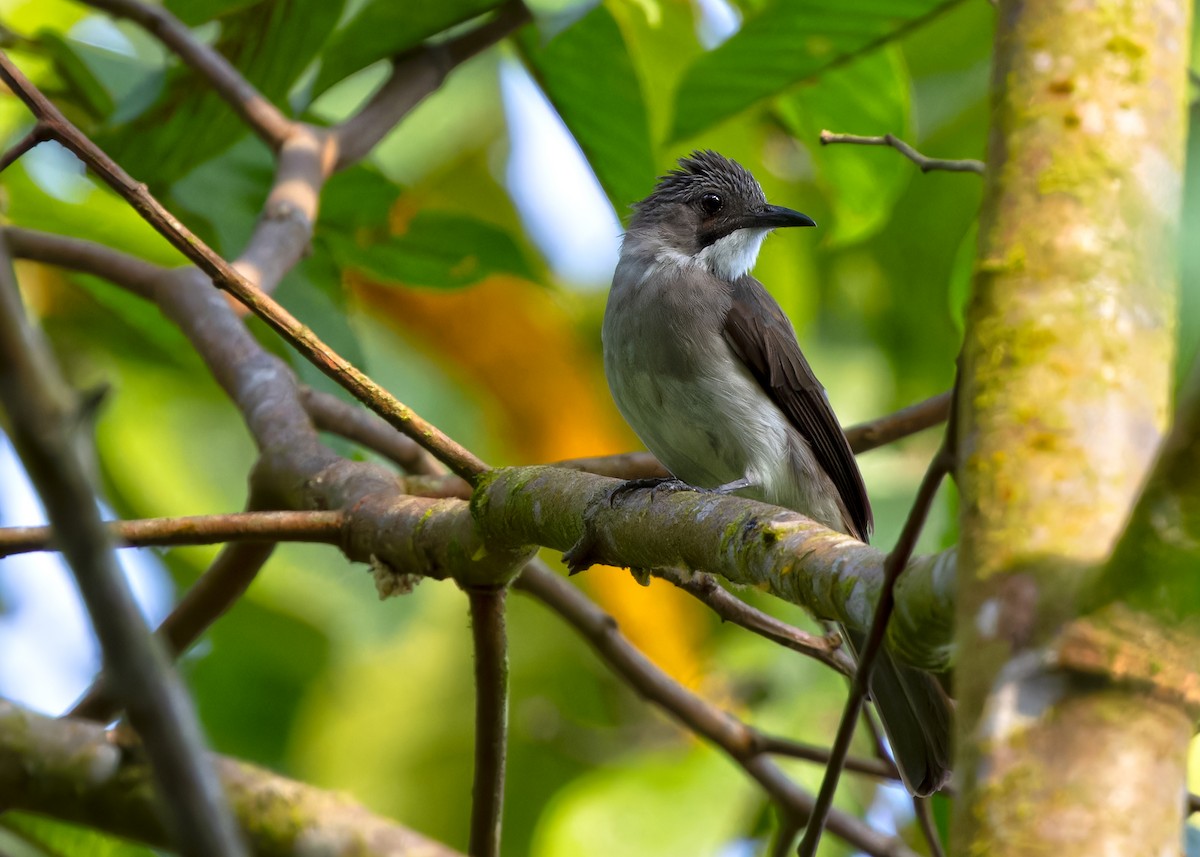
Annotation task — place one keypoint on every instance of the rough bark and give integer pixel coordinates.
(75, 771)
(1064, 400)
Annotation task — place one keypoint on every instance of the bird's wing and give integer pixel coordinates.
(763, 339)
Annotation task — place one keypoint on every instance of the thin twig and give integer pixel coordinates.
(221, 585)
(47, 429)
(923, 810)
(321, 527)
(704, 587)
(457, 457)
(776, 746)
(331, 414)
(724, 730)
(39, 134)
(964, 165)
(263, 117)
(415, 75)
(893, 566)
(491, 718)
(87, 257)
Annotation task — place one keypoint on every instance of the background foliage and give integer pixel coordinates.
(433, 271)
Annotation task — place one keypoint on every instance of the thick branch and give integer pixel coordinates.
(324, 527)
(263, 117)
(926, 164)
(47, 430)
(72, 770)
(86, 257)
(746, 542)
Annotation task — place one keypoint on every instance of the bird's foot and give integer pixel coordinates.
(584, 553)
(669, 484)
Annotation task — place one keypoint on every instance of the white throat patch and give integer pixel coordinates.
(734, 255)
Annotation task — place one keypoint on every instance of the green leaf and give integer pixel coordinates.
(439, 249)
(194, 12)
(606, 114)
(870, 96)
(961, 275)
(270, 43)
(34, 835)
(358, 197)
(83, 86)
(385, 28)
(787, 43)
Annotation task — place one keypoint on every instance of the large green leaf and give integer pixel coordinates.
(439, 249)
(605, 112)
(271, 43)
(384, 28)
(193, 12)
(871, 96)
(789, 42)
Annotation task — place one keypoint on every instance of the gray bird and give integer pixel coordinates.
(706, 369)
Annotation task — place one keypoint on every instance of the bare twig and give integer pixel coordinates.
(230, 575)
(226, 277)
(893, 566)
(324, 527)
(39, 134)
(263, 117)
(415, 75)
(47, 430)
(87, 257)
(776, 746)
(965, 165)
(491, 718)
(331, 414)
(735, 738)
(75, 771)
(826, 649)
(924, 813)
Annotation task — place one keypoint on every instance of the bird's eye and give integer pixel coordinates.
(711, 203)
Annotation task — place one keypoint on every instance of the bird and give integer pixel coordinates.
(706, 368)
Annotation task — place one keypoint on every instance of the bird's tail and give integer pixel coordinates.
(918, 718)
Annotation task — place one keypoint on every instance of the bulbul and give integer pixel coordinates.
(706, 369)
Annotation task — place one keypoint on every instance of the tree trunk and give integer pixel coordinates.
(1064, 399)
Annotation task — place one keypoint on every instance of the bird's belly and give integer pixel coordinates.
(709, 429)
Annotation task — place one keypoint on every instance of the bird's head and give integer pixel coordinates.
(712, 211)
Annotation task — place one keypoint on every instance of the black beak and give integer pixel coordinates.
(776, 216)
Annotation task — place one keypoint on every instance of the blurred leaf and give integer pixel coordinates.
(870, 96)
(655, 797)
(357, 198)
(133, 84)
(81, 85)
(46, 837)
(97, 215)
(384, 28)
(193, 12)
(248, 685)
(788, 43)
(961, 276)
(271, 43)
(609, 121)
(439, 249)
